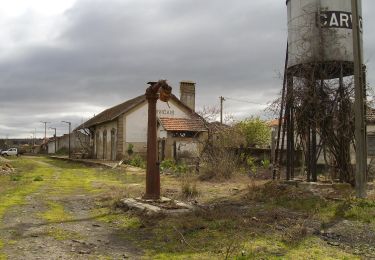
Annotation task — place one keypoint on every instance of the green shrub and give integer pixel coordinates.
(167, 165)
(251, 165)
(359, 209)
(130, 149)
(266, 164)
(137, 161)
(176, 168)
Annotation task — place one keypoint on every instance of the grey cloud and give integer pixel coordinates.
(106, 50)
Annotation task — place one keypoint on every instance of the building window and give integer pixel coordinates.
(186, 134)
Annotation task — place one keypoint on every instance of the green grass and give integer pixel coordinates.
(121, 220)
(56, 213)
(75, 178)
(211, 234)
(62, 234)
(13, 193)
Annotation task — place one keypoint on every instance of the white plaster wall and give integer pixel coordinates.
(186, 147)
(51, 147)
(136, 120)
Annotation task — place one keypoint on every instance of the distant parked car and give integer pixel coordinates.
(9, 152)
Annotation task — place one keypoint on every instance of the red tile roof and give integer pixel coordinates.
(183, 124)
(274, 122)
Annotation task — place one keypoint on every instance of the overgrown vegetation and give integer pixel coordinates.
(265, 221)
(136, 161)
(256, 132)
(218, 163)
(171, 166)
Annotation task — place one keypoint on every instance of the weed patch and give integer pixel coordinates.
(119, 219)
(62, 234)
(38, 178)
(56, 213)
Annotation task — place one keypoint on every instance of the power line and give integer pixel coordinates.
(245, 101)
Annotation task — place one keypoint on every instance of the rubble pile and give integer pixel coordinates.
(5, 167)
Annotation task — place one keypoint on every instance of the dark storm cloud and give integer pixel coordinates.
(106, 50)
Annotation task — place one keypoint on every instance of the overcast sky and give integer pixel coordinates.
(71, 59)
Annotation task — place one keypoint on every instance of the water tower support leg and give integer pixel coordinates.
(313, 137)
(290, 129)
(308, 153)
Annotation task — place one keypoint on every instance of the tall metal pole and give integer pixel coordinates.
(153, 173)
(222, 99)
(359, 106)
(45, 129)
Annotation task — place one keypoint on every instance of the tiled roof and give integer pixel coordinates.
(217, 126)
(274, 122)
(183, 124)
(113, 112)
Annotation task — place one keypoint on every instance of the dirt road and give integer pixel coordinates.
(50, 212)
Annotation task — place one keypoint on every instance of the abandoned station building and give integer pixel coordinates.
(121, 128)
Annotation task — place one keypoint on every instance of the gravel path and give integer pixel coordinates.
(27, 235)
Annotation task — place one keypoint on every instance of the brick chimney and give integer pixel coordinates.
(187, 94)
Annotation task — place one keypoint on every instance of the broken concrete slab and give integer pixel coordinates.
(154, 207)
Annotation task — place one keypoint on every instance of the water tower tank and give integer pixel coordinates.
(320, 32)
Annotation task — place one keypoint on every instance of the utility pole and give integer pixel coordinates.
(222, 99)
(54, 128)
(359, 106)
(45, 129)
(70, 125)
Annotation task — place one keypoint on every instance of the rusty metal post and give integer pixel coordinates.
(153, 173)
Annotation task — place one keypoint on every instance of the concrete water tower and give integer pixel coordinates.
(318, 66)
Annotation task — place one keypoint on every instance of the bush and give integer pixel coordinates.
(167, 165)
(130, 149)
(188, 187)
(250, 163)
(218, 163)
(256, 131)
(137, 161)
(176, 168)
(266, 164)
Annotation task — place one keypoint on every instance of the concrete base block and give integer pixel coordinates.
(140, 206)
(163, 206)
